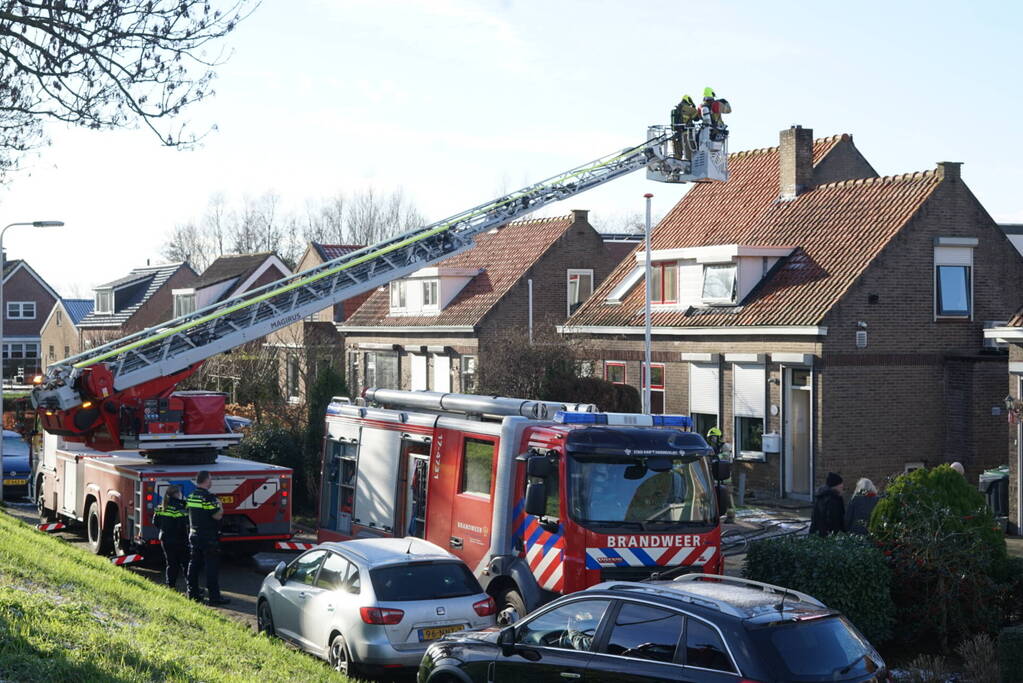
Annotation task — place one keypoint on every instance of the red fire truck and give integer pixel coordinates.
(538, 498)
(113, 496)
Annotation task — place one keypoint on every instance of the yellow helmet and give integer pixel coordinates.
(713, 431)
(686, 99)
(709, 92)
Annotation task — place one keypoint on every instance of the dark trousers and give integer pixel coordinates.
(204, 552)
(175, 557)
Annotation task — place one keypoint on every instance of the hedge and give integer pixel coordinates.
(1010, 654)
(845, 572)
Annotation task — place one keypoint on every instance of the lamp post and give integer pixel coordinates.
(3, 316)
(646, 313)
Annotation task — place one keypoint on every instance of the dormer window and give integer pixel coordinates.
(398, 291)
(664, 283)
(104, 301)
(719, 283)
(429, 293)
(184, 304)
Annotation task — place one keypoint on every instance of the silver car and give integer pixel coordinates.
(372, 603)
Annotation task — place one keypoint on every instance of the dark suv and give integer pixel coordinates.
(698, 628)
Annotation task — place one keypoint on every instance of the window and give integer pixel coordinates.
(60, 317)
(352, 583)
(656, 387)
(704, 395)
(21, 310)
(477, 466)
(423, 581)
(953, 278)
(468, 374)
(21, 360)
(953, 284)
(645, 632)
(382, 370)
(184, 304)
(664, 283)
(568, 627)
(614, 371)
(104, 301)
(580, 286)
(398, 288)
(332, 574)
(702, 422)
(748, 383)
(293, 376)
(67, 351)
(584, 368)
(705, 649)
(303, 569)
(52, 354)
(429, 293)
(719, 283)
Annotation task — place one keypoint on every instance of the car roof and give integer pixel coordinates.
(739, 598)
(383, 551)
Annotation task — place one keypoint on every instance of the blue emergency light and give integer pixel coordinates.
(571, 417)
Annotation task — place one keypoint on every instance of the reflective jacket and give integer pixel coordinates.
(201, 506)
(172, 521)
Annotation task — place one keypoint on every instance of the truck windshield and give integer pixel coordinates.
(626, 491)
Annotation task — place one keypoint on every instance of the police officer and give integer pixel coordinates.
(204, 513)
(171, 519)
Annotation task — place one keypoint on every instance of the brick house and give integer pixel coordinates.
(61, 337)
(431, 329)
(827, 319)
(27, 299)
(140, 299)
(227, 277)
(307, 346)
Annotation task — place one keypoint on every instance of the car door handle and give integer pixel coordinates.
(301, 595)
(456, 543)
(330, 608)
(570, 674)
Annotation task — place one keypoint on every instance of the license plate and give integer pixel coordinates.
(226, 500)
(437, 631)
(15, 482)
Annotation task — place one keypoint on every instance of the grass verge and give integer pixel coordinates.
(66, 615)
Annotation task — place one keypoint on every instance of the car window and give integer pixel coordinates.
(816, 648)
(352, 583)
(569, 627)
(423, 581)
(303, 569)
(645, 632)
(332, 573)
(705, 649)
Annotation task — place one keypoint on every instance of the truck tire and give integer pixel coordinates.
(510, 597)
(45, 514)
(100, 538)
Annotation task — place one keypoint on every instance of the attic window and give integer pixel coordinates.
(104, 301)
(184, 304)
(398, 294)
(719, 283)
(429, 293)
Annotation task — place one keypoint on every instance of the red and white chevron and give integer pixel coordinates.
(293, 545)
(53, 526)
(126, 559)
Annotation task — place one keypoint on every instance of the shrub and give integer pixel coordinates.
(1010, 654)
(940, 539)
(980, 658)
(845, 572)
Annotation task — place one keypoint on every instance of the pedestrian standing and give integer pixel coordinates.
(204, 514)
(861, 505)
(828, 507)
(171, 519)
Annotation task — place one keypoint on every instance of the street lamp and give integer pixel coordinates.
(646, 311)
(3, 315)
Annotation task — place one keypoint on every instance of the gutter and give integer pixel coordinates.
(732, 331)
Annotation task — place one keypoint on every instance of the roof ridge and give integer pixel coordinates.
(909, 175)
(525, 221)
(767, 150)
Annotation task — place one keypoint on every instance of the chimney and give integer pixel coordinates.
(795, 162)
(580, 215)
(949, 170)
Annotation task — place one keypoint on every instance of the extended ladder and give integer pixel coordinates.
(179, 343)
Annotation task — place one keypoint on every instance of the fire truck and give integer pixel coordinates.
(113, 496)
(539, 498)
(122, 395)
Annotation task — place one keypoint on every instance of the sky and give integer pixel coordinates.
(458, 101)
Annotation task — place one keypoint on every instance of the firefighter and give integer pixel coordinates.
(682, 118)
(171, 519)
(204, 513)
(714, 438)
(710, 113)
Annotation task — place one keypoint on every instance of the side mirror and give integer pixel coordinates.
(279, 571)
(721, 470)
(536, 498)
(724, 498)
(539, 466)
(506, 641)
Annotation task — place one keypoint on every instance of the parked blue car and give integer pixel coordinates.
(16, 471)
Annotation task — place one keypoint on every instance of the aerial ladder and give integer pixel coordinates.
(116, 396)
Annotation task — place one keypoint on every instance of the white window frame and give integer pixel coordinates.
(60, 317)
(575, 273)
(737, 412)
(431, 294)
(399, 287)
(19, 307)
(954, 251)
(468, 367)
(179, 299)
(419, 375)
(104, 296)
(735, 283)
(701, 408)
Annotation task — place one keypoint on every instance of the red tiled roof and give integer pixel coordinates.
(1017, 319)
(838, 229)
(503, 257)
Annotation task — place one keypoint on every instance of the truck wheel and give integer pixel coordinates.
(45, 515)
(100, 539)
(510, 597)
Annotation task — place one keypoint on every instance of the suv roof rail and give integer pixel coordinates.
(748, 583)
(674, 594)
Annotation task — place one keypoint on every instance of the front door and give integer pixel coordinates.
(798, 452)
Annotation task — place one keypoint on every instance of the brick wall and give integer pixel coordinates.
(1015, 520)
(460, 345)
(22, 286)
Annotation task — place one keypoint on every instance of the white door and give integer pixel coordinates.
(441, 373)
(418, 372)
(70, 487)
(798, 452)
